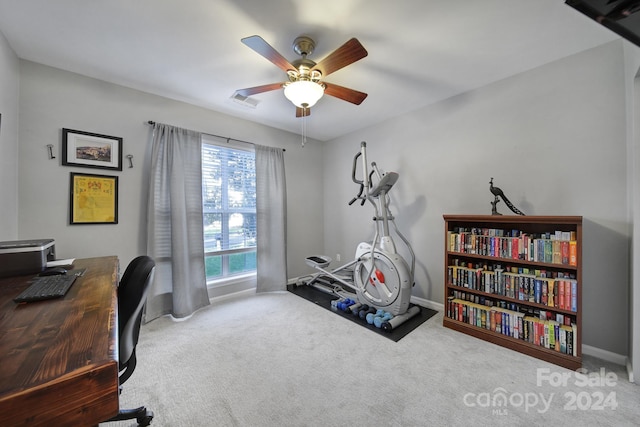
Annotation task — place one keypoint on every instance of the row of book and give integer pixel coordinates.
(559, 247)
(553, 334)
(560, 290)
(533, 311)
(489, 301)
(501, 232)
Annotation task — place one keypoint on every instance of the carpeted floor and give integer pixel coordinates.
(323, 299)
(275, 359)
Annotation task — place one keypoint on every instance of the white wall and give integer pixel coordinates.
(553, 139)
(52, 99)
(9, 84)
(632, 79)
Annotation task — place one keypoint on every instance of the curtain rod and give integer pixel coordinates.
(151, 122)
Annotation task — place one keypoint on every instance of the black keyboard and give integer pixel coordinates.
(47, 287)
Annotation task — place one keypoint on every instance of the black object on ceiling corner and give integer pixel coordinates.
(620, 16)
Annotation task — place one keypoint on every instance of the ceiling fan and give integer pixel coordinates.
(305, 85)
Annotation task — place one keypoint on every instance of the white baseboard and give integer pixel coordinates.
(609, 356)
(427, 303)
(238, 294)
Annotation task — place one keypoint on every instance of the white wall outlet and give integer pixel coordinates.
(337, 257)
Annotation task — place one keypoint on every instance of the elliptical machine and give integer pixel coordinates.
(382, 277)
(379, 275)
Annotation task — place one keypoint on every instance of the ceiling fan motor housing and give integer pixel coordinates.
(304, 45)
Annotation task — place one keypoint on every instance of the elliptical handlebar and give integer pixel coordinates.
(378, 194)
(358, 196)
(361, 183)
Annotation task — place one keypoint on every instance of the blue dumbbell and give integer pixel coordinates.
(344, 305)
(371, 316)
(337, 303)
(379, 320)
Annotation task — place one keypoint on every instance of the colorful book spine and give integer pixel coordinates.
(573, 253)
(557, 333)
(550, 247)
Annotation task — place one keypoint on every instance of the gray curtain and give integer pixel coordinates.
(174, 229)
(271, 207)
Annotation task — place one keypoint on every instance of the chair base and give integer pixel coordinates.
(142, 415)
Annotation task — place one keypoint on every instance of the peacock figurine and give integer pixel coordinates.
(499, 194)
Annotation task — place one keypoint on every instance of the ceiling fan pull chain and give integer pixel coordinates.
(304, 128)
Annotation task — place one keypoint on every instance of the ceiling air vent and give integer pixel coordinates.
(245, 100)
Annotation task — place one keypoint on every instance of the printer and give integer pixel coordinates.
(21, 257)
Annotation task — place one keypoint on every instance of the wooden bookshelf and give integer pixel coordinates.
(516, 281)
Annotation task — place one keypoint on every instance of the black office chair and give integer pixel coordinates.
(132, 295)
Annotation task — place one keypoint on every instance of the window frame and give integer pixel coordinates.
(225, 254)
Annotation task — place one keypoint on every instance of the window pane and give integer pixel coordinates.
(213, 266)
(242, 263)
(241, 180)
(242, 231)
(212, 232)
(211, 178)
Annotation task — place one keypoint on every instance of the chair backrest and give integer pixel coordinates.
(132, 295)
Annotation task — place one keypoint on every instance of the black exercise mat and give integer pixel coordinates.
(324, 299)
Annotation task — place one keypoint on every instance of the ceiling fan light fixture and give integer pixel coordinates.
(304, 93)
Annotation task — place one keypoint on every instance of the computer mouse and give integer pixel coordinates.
(53, 271)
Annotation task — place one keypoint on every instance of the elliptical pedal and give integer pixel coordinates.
(318, 261)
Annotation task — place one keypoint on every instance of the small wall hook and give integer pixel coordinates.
(50, 147)
(130, 157)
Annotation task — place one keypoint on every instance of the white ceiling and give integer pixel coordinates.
(420, 51)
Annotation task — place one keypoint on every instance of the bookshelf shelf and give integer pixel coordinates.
(515, 261)
(516, 281)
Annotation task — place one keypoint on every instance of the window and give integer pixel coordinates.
(229, 208)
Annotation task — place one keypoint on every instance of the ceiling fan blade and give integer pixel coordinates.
(346, 54)
(303, 112)
(258, 89)
(258, 44)
(344, 93)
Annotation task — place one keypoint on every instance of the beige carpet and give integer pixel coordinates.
(278, 360)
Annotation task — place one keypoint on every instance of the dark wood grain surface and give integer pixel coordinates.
(58, 358)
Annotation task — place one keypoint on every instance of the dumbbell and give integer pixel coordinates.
(354, 309)
(363, 313)
(371, 316)
(364, 307)
(379, 320)
(337, 303)
(345, 304)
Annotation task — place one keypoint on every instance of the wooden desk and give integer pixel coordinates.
(59, 358)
